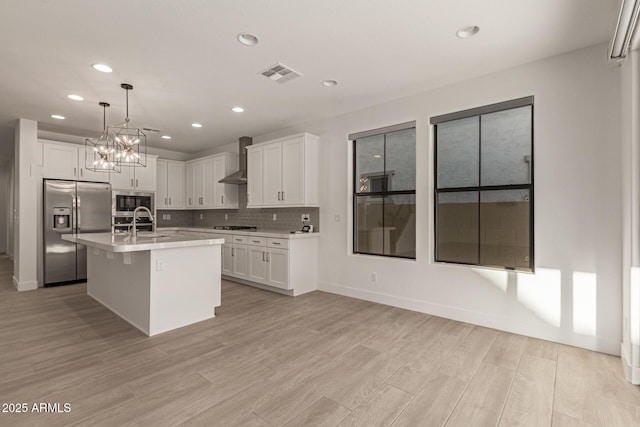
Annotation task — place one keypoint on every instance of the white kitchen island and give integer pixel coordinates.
(156, 283)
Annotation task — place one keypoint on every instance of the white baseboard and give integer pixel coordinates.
(540, 331)
(631, 373)
(31, 285)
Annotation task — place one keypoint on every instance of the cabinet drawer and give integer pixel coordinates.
(238, 239)
(278, 243)
(256, 241)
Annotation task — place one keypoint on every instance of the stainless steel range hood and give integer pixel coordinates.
(240, 176)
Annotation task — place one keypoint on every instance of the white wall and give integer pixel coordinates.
(4, 203)
(575, 296)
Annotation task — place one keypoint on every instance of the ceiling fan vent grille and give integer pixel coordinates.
(280, 73)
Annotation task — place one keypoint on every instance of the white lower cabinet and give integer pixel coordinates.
(286, 264)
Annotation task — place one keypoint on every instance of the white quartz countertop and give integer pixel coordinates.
(144, 242)
(258, 233)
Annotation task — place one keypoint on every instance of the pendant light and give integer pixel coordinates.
(131, 142)
(99, 154)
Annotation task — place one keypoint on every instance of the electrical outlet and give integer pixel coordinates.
(159, 265)
(226, 216)
(168, 216)
(374, 277)
(275, 217)
(201, 216)
(164, 216)
(306, 217)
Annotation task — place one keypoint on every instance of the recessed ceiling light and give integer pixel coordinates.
(75, 97)
(466, 32)
(329, 83)
(196, 125)
(166, 137)
(247, 39)
(237, 109)
(102, 67)
(377, 156)
(57, 116)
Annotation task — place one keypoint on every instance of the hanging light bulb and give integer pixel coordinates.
(130, 141)
(99, 154)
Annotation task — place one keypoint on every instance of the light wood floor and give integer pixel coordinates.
(270, 360)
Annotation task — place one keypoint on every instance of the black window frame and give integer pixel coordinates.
(479, 112)
(382, 194)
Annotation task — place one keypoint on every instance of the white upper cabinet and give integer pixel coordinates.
(289, 175)
(67, 161)
(254, 177)
(138, 178)
(204, 190)
(171, 184)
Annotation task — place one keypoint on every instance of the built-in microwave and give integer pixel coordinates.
(128, 201)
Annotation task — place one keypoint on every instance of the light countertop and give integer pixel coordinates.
(144, 242)
(258, 233)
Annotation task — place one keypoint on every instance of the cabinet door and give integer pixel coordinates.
(293, 171)
(208, 186)
(278, 268)
(175, 184)
(217, 173)
(145, 177)
(189, 190)
(254, 177)
(257, 264)
(240, 261)
(122, 180)
(60, 161)
(198, 182)
(227, 259)
(162, 195)
(272, 174)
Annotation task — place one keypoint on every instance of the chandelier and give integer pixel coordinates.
(99, 154)
(131, 142)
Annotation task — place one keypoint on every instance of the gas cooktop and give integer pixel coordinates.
(236, 227)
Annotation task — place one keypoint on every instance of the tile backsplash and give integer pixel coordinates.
(287, 219)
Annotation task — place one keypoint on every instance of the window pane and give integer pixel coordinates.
(386, 225)
(401, 160)
(399, 232)
(506, 147)
(368, 224)
(504, 232)
(369, 173)
(457, 153)
(457, 222)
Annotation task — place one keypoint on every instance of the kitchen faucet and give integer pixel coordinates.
(133, 223)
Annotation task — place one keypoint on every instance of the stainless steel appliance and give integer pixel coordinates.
(240, 176)
(71, 207)
(123, 203)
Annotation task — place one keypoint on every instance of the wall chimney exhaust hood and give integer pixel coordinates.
(240, 177)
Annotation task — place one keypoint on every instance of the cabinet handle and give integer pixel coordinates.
(278, 195)
(136, 182)
(232, 252)
(132, 182)
(222, 199)
(268, 257)
(263, 254)
(190, 201)
(248, 197)
(74, 171)
(256, 241)
(238, 240)
(283, 196)
(81, 171)
(276, 243)
(169, 201)
(200, 200)
(165, 200)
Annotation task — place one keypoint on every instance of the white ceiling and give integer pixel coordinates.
(185, 64)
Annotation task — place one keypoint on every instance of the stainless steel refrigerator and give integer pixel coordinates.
(71, 207)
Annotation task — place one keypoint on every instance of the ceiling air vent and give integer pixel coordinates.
(280, 73)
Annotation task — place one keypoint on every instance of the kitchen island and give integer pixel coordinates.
(155, 282)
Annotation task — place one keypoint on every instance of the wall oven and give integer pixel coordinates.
(123, 203)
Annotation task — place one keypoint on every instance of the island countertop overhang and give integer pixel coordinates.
(123, 243)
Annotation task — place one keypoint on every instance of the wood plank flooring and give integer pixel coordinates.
(315, 360)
